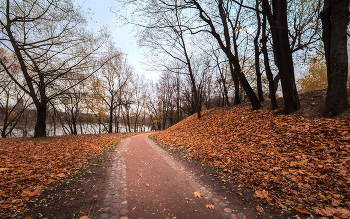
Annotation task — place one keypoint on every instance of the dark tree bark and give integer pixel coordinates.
(276, 80)
(257, 54)
(335, 18)
(236, 84)
(40, 126)
(268, 71)
(282, 51)
(110, 123)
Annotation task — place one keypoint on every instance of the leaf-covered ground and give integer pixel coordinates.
(27, 166)
(289, 161)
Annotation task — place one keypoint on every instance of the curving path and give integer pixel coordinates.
(146, 182)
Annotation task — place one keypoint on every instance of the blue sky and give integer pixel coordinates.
(99, 14)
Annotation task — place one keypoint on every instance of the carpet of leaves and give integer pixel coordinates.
(290, 162)
(28, 165)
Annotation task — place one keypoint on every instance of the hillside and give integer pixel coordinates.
(299, 161)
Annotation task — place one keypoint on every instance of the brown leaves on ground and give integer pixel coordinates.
(210, 206)
(197, 194)
(27, 165)
(288, 160)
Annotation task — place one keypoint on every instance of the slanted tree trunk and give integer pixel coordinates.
(257, 54)
(335, 18)
(276, 80)
(268, 71)
(236, 84)
(282, 51)
(225, 45)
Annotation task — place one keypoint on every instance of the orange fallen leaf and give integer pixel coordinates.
(259, 209)
(197, 194)
(210, 206)
(84, 217)
(261, 194)
(62, 175)
(147, 184)
(302, 210)
(95, 196)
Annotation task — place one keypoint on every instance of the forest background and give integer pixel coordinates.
(58, 78)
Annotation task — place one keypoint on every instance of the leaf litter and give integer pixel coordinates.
(28, 165)
(289, 161)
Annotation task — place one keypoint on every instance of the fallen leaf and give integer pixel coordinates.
(197, 194)
(4, 169)
(210, 206)
(302, 210)
(84, 217)
(259, 209)
(95, 196)
(147, 184)
(261, 194)
(140, 175)
(62, 175)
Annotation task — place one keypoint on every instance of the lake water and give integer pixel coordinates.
(81, 129)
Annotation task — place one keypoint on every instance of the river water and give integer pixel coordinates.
(83, 128)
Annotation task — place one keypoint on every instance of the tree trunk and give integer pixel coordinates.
(254, 101)
(40, 126)
(335, 18)
(276, 80)
(197, 105)
(268, 71)
(225, 92)
(110, 125)
(283, 53)
(257, 54)
(236, 83)
(74, 124)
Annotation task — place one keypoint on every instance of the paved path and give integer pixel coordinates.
(147, 183)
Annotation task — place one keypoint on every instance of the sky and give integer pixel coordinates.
(99, 14)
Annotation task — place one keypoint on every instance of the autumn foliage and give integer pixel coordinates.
(27, 166)
(289, 161)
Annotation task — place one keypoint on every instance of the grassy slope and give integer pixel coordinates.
(289, 161)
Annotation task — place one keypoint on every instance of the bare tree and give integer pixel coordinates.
(231, 29)
(283, 53)
(13, 101)
(50, 46)
(166, 32)
(257, 53)
(115, 77)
